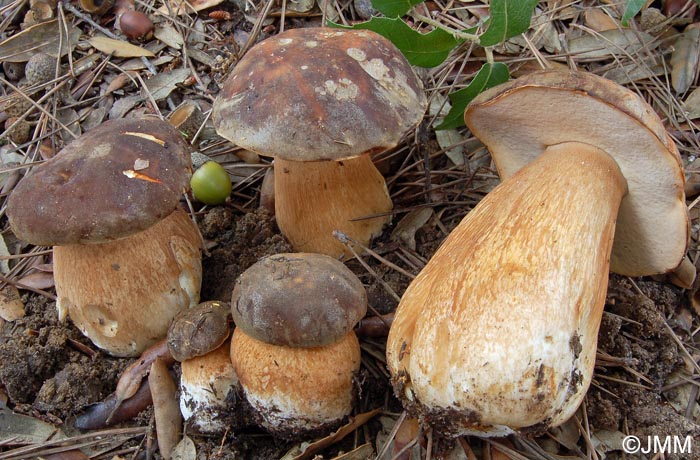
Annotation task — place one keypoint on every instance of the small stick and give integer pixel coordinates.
(166, 407)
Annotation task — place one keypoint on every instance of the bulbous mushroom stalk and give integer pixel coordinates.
(159, 267)
(294, 349)
(498, 332)
(550, 321)
(126, 258)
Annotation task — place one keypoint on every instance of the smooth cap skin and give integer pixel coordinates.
(319, 94)
(519, 119)
(114, 181)
(298, 300)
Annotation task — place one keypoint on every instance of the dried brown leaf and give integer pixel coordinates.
(185, 450)
(37, 280)
(166, 407)
(598, 20)
(11, 306)
(692, 104)
(179, 7)
(47, 37)
(118, 48)
(309, 450)
(162, 84)
(405, 231)
(611, 43)
(170, 36)
(684, 60)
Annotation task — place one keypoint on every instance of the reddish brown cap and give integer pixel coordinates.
(319, 94)
(115, 180)
(298, 300)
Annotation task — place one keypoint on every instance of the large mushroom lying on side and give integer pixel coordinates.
(321, 101)
(294, 349)
(126, 258)
(499, 330)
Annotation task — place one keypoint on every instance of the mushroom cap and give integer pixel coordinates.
(519, 119)
(298, 300)
(319, 94)
(115, 180)
(199, 330)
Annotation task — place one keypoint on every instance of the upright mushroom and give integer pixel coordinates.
(198, 338)
(126, 259)
(499, 330)
(321, 101)
(294, 349)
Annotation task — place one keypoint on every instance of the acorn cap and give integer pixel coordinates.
(319, 94)
(115, 180)
(518, 120)
(298, 300)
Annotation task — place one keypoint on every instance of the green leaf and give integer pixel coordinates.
(423, 50)
(394, 8)
(631, 9)
(507, 19)
(489, 75)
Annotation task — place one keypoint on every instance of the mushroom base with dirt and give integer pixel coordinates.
(516, 349)
(297, 392)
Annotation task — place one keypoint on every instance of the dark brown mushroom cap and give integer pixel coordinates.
(115, 180)
(319, 94)
(199, 330)
(298, 300)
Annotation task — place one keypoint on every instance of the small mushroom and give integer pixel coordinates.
(498, 332)
(294, 349)
(127, 259)
(198, 338)
(321, 101)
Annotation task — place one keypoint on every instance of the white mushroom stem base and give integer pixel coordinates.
(205, 384)
(314, 198)
(124, 294)
(499, 330)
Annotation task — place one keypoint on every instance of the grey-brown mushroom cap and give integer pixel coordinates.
(298, 300)
(319, 94)
(113, 181)
(518, 120)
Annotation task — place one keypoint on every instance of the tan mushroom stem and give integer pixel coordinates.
(124, 294)
(294, 391)
(314, 198)
(499, 330)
